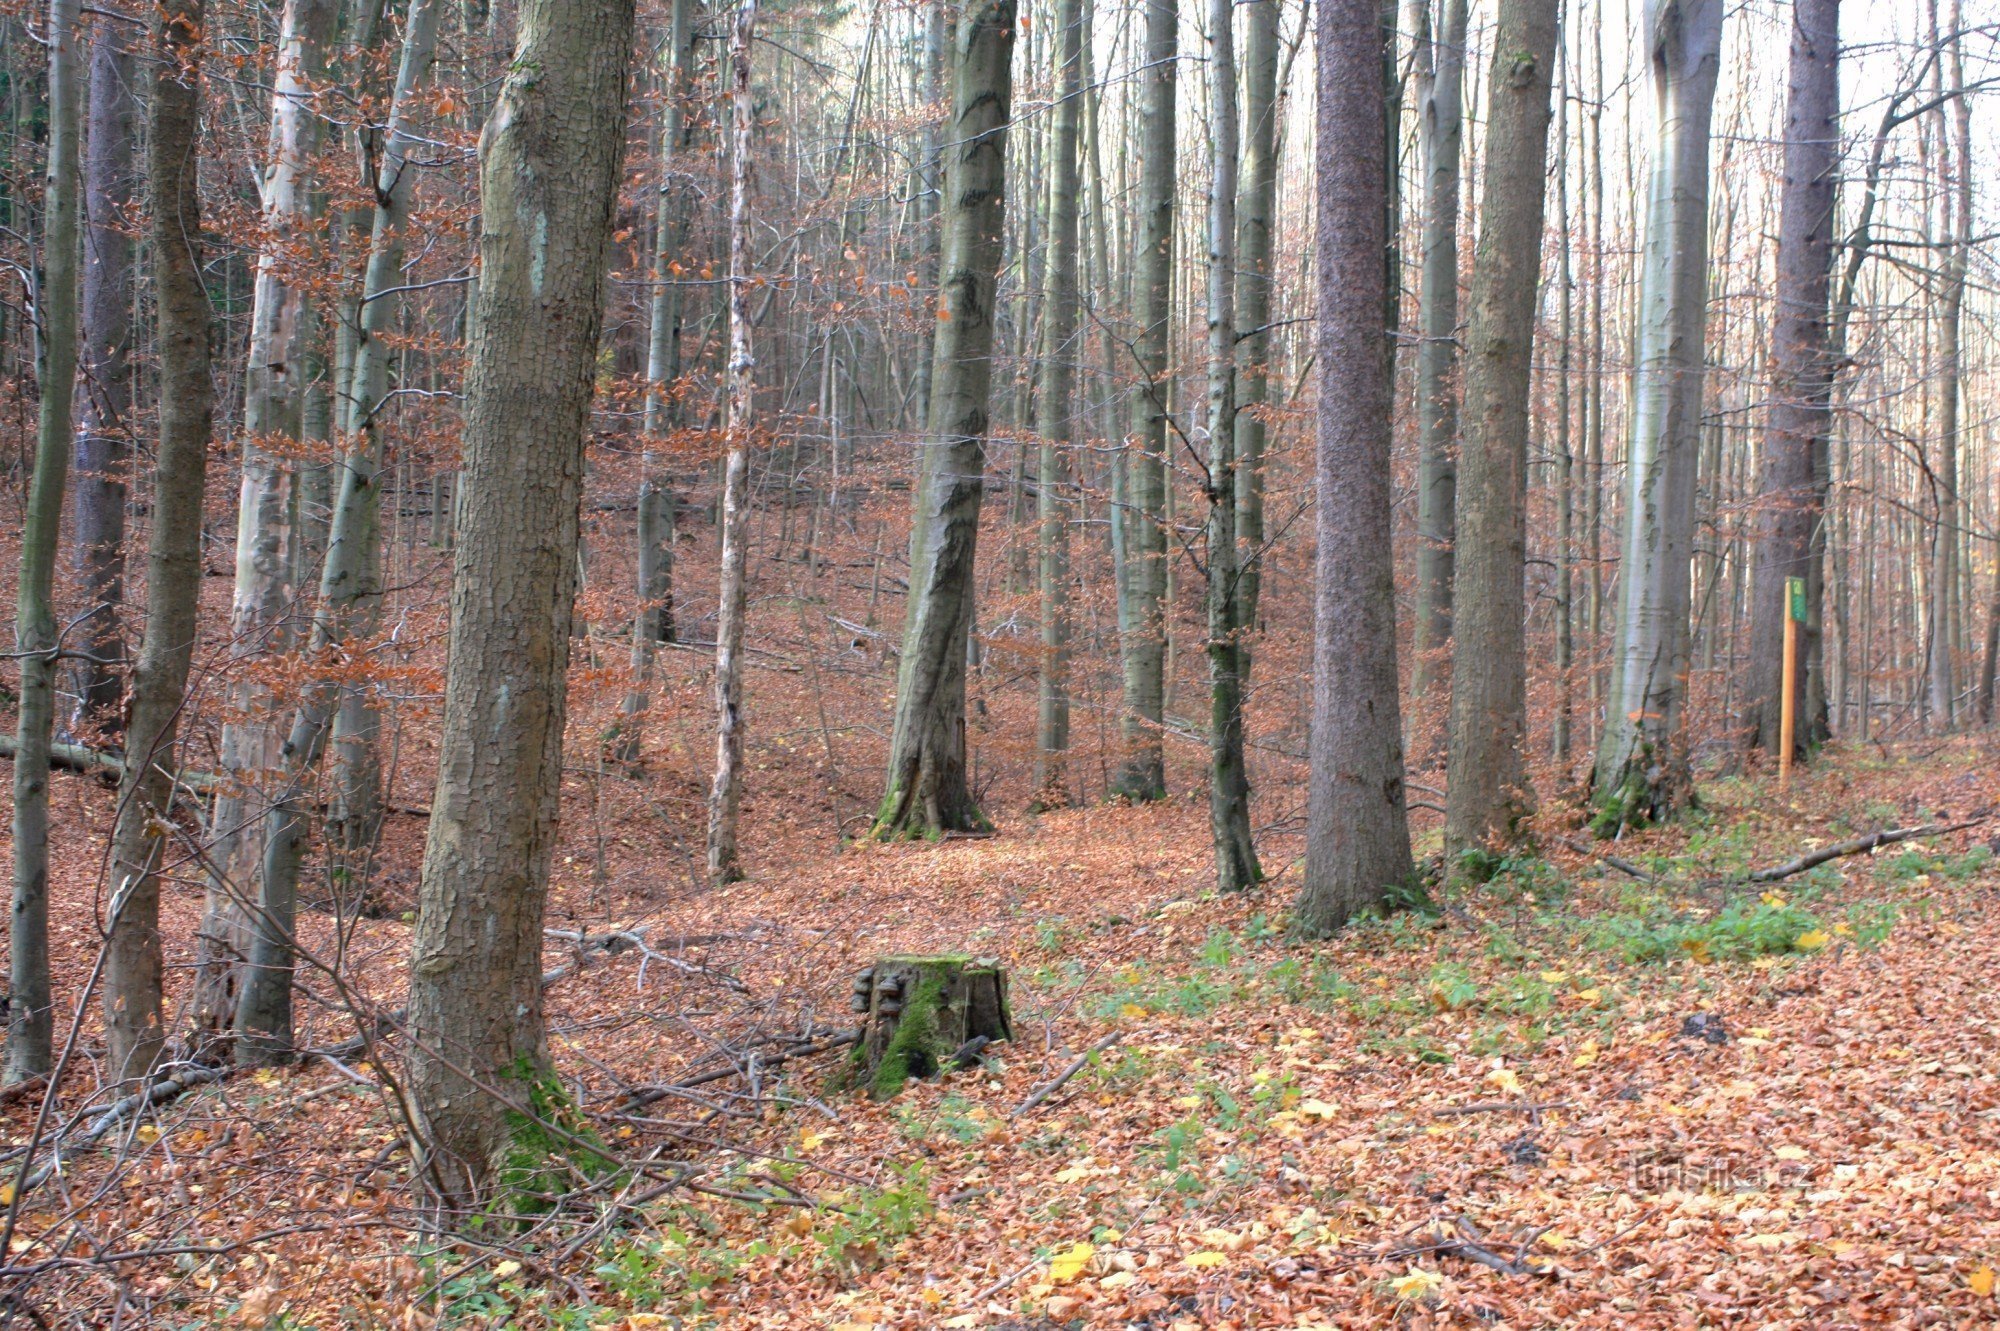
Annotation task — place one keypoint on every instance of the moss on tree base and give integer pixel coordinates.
(919, 1013)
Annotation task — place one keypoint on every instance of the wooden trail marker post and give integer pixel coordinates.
(1795, 614)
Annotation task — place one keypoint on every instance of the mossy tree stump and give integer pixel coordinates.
(919, 1013)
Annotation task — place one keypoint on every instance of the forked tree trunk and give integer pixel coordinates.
(145, 839)
(104, 397)
(725, 796)
(29, 1022)
(1441, 128)
(926, 793)
(1236, 867)
(548, 186)
(273, 414)
(1357, 827)
(1054, 405)
(1487, 784)
(1642, 764)
(1789, 500)
(1140, 519)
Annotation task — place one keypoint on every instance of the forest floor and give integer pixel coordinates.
(1574, 1097)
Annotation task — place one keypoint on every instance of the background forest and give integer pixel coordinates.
(547, 536)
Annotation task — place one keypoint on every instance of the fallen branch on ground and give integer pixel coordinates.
(1049, 1088)
(1855, 846)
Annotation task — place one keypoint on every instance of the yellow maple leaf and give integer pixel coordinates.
(1506, 1081)
(1554, 977)
(1812, 940)
(1981, 1281)
(1317, 1108)
(1590, 997)
(1201, 1259)
(1132, 1012)
(1417, 1285)
(1067, 1266)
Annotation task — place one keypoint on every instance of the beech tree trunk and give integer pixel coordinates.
(1140, 518)
(104, 389)
(1054, 406)
(1357, 827)
(1441, 130)
(145, 837)
(926, 791)
(275, 380)
(1790, 503)
(1642, 763)
(1487, 783)
(1256, 211)
(29, 1023)
(725, 795)
(548, 185)
(1947, 605)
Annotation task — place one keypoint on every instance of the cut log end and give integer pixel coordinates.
(918, 1013)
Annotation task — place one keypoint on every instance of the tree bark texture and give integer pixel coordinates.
(548, 183)
(1790, 505)
(1256, 215)
(29, 1022)
(926, 791)
(145, 837)
(1357, 827)
(1487, 784)
(1642, 765)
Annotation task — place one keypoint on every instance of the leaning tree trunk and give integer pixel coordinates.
(1642, 764)
(351, 588)
(1789, 500)
(145, 838)
(1236, 867)
(1441, 126)
(1054, 403)
(104, 399)
(1141, 518)
(725, 796)
(1256, 216)
(1487, 784)
(29, 1021)
(548, 186)
(926, 792)
(1357, 827)
(274, 391)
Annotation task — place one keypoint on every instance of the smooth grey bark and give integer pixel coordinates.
(548, 187)
(1441, 131)
(1944, 624)
(725, 795)
(1642, 764)
(1357, 826)
(925, 793)
(1236, 867)
(1055, 406)
(1140, 520)
(1256, 217)
(274, 393)
(104, 376)
(1488, 794)
(30, 1020)
(1790, 502)
(351, 587)
(144, 836)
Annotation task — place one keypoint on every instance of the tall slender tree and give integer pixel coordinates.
(1055, 407)
(1487, 787)
(926, 791)
(725, 795)
(1790, 504)
(1441, 133)
(548, 188)
(29, 1020)
(1642, 763)
(145, 839)
(104, 381)
(1357, 824)
(1140, 513)
(1256, 220)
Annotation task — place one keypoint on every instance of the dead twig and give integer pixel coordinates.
(1888, 836)
(1049, 1088)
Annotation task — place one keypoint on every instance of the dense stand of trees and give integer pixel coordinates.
(1147, 355)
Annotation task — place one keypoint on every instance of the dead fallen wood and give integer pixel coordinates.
(1470, 1244)
(1855, 846)
(1050, 1087)
(1501, 1107)
(641, 1096)
(105, 766)
(1619, 863)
